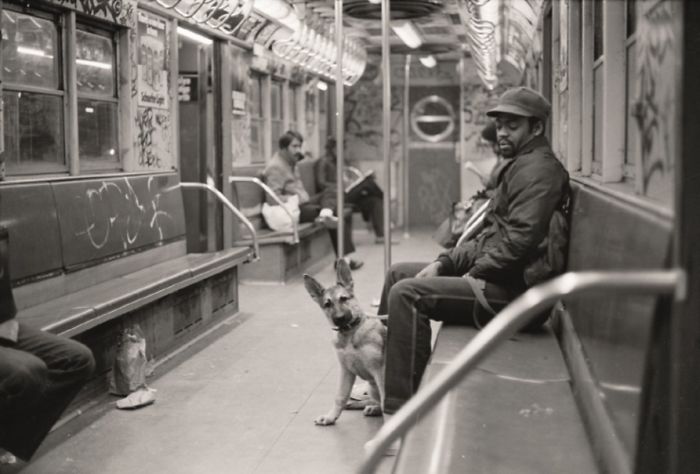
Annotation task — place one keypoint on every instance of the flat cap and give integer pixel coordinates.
(522, 101)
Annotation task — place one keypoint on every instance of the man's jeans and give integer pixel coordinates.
(39, 376)
(411, 303)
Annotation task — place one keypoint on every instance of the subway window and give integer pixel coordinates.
(277, 113)
(293, 112)
(98, 107)
(33, 93)
(256, 119)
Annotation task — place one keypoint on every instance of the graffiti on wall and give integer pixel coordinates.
(153, 138)
(364, 114)
(117, 11)
(114, 212)
(654, 108)
(153, 119)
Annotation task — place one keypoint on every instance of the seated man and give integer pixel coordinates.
(282, 176)
(40, 374)
(369, 199)
(494, 266)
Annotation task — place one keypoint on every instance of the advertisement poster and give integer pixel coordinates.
(152, 70)
(238, 103)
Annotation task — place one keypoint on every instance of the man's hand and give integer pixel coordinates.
(432, 270)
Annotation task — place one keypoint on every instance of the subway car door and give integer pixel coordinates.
(198, 140)
(433, 171)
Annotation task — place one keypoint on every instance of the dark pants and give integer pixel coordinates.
(411, 303)
(309, 211)
(371, 209)
(39, 376)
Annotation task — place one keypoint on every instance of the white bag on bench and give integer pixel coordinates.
(277, 217)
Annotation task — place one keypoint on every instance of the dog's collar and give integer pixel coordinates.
(348, 326)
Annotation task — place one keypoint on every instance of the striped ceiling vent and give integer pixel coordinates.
(400, 9)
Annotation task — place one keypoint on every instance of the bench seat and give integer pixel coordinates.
(514, 414)
(79, 311)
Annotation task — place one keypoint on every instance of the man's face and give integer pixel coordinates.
(513, 132)
(293, 150)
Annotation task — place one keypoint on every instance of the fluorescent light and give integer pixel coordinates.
(408, 33)
(322, 86)
(97, 64)
(428, 61)
(193, 36)
(30, 51)
(375, 1)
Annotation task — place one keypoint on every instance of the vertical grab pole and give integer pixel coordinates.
(339, 126)
(386, 131)
(406, 142)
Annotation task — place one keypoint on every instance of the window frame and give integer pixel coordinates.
(68, 23)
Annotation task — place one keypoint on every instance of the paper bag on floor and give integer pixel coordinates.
(130, 362)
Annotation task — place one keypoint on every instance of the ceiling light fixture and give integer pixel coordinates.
(322, 86)
(428, 61)
(408, 32)
(193, 36)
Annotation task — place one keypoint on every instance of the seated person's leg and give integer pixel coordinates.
(412, 303)
(308, 211)
(67, 365)
(23, 378)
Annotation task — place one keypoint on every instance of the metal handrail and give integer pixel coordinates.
(273, 195)
(502, 327)
(231, 207)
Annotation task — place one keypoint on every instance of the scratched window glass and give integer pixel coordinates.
(29, 51)
(98, 111)
(33, 129)
(94, 64)
(33, 132)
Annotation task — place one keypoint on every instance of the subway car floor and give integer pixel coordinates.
(241, 399)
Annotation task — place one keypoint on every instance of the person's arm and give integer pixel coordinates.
(535, 190)
(325, 174)
(276, 179)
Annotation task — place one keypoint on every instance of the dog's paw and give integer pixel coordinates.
(372, 410)
(324, 420)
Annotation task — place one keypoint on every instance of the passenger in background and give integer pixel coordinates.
(282, 175)
(367, 196)
(506, 256)
(40, 373)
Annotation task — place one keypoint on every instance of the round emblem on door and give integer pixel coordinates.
(433, 118)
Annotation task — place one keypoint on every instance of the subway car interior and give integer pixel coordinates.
(158, 159)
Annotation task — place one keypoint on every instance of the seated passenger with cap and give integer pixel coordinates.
(464, 284)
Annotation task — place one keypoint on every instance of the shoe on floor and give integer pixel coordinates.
(360, 391)
(352, 263)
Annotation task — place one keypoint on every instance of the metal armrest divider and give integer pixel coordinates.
(273, 195)
(506, 323)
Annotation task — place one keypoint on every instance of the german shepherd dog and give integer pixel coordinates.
(359, 343)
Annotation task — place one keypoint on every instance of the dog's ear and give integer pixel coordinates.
(314, 288)
(343, 274)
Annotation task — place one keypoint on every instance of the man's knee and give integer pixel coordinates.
(401, 290)
(82, 361)
(25, 381)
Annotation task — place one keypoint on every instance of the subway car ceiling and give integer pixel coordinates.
(303, 32)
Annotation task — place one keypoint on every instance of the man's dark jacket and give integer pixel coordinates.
(530, 188)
